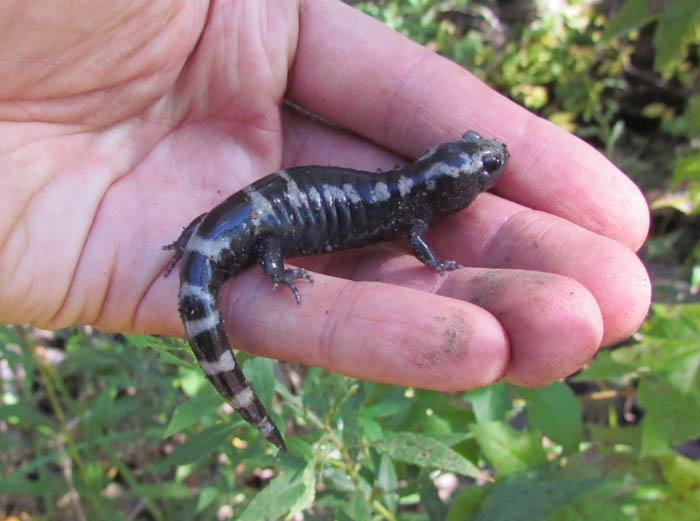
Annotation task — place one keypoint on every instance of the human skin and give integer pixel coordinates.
(122, 121)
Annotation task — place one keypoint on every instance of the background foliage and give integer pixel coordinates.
(105, 427)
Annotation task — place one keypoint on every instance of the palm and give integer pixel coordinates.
(148, 166)
(162, 120)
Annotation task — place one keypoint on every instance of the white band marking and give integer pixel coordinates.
(210, 248)
(315, 198)
(405, 185)
(225, 363)
(351, 193)
(266, 427)
(332, 194)
(262, 207)
(381, 192)
(198, 292)
(243, 399)
(295, 196)
(200, 325)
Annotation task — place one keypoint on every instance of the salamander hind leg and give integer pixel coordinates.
(269, 256)
(424, 253)
(180, 244)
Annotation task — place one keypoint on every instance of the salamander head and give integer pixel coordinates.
(457, 171)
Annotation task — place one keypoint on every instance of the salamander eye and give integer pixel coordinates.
(491, 162)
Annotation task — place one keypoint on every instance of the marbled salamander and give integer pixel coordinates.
(314, 209)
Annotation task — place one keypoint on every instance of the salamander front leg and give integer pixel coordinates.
(424, 253)
(269, 256)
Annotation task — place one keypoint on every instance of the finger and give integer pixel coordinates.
(369, 330)
(498, 233)
(406, 98)
(553, 323)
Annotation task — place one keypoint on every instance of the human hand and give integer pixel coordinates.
(122, 121)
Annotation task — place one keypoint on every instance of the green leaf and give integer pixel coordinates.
(683, 201)
(192, 380)
(490, 403)
(388, 481)
(261, 373)
(683, 501)
(302, 448)
(430, 499)
(172, 345)
(555, 412)
(674, 321)
(386, 476)
(688, 125)
(8, 335)
(340, 481)
(616, 440)
(467, 503)
(678, 508)
(672, 417)
(389, 406)
(357, 508)
(532, 495)
(681, 473)
(590, 507)
(106, 409)
(171, 350)
(371, 429)
(174, 359)
(621, 483)
(167, 489)
(350, 410)
(9, 444)
(27, 416)
(451, 438)
(306, 498)
(206, 497)
(633, 15)
(192, 411)
(605, 367)
(675, 360)
(676, 29)
(42, 487)
(687, 168)
(200, 445)
(509, 450)
(276, 500)
(424, 451)
(432, 414)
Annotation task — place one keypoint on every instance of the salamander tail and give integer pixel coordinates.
(205, 331)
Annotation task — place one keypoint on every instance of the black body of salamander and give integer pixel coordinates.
(315, 209)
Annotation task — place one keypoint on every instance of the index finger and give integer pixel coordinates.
(365, 77)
